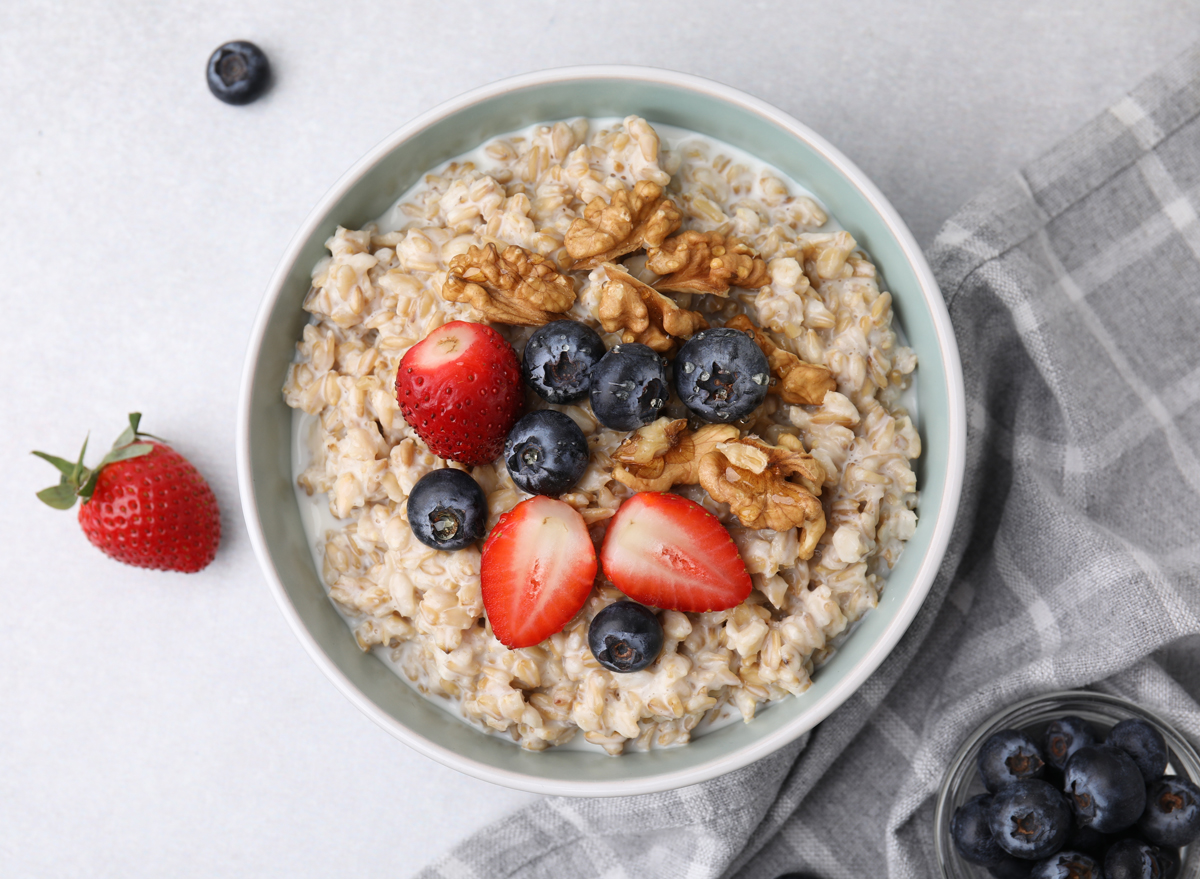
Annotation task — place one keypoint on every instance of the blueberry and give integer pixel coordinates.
(1104, 787)
(1030, 819)
(447, 510)
(559, 359)
(545, 452)
(625, 636)
(1009, 756)
(238, 72)
(1145, 744)
(1067, 865)
(972, 832)
(629, 387)
(1134, 859)
(1064, 737)
(1172, 816)
(721, 375)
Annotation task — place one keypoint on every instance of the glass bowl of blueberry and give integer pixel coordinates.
(1071, 785)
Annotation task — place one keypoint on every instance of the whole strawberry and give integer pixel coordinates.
(460, 389)
(144, 504)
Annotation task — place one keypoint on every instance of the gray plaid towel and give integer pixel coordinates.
(1074, 288)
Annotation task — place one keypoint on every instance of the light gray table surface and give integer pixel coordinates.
(156, 724)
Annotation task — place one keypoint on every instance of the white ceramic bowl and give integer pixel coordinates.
(373, 184)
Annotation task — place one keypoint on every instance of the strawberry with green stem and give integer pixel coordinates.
(144, 504)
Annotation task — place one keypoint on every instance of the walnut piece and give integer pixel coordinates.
(513, 287)
(664, 453)
(706, 262)
(642, 314)
(641, 217)
(800, 383)
(768, 486)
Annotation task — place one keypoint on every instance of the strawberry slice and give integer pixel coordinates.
(537, 570)
(669, 552)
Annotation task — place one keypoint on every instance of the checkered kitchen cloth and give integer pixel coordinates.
(1074, 288)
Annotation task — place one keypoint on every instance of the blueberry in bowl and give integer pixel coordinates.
(1009, 756)
(1030, 818)
(971, 830)
(545, 452)
(1133, 859)
(447, 510)
(721, 375)
(1105, 788)
(1143, 743)
(1067, 865)
(1065, 736)
(629, 386)
(625, 637)
(559, 358)
(1172, 815)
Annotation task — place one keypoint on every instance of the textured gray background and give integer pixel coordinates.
(159, 724)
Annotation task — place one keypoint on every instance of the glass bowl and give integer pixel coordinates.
(1032, 716)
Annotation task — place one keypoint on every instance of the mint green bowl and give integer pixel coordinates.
(369, 188)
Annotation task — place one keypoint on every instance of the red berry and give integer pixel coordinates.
(669, 552)
(460, 389)
(537, 571)
(155, 511)
(144, 504)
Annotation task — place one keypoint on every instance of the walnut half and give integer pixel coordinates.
(642, 314)
(664, 453)
(768, 486)
(513, 287)
(705, 262)
(800, 383)
(641, 217)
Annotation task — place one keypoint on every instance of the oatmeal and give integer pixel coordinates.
(647, 241)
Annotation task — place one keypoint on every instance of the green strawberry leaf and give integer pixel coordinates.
(123, 453)
(61, 496)
(64, 466)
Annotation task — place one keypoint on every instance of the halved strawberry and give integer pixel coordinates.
(460, 389)
(669, 552)
(537, 570)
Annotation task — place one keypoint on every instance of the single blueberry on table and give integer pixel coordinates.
(1030, 819)
(721, 375)
(1144, 743)
(629, 386)
(1067, 865)
(1105, 788)
(447, 510)
(1133, 859)
(1064, 737)
(625, 636)
(559, 359)
(238, 72)
(545, 452)
(971, 831)
(1009, 756)
(1172, 816)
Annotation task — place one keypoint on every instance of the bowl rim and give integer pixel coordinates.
(927, 570)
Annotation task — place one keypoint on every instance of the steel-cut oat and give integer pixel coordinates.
(379, 293)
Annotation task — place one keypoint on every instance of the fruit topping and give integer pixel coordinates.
(972, 833)
(1067, 865)
(1009, 756)
(669, 552)
(1064, 737)
(144, 504)
(721, 375)
(1105, 788)
(559, 359)
(447, 510)
(1145, 744)
(629, 387)
(546, 452)
(625, 637)
(459, 388)
(238, 72)
(537, 570)
(1030, 819)
(1172, 815)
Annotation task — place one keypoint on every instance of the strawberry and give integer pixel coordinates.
(460, 390)
(669, 552)
(537, 570)
(144, 504)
